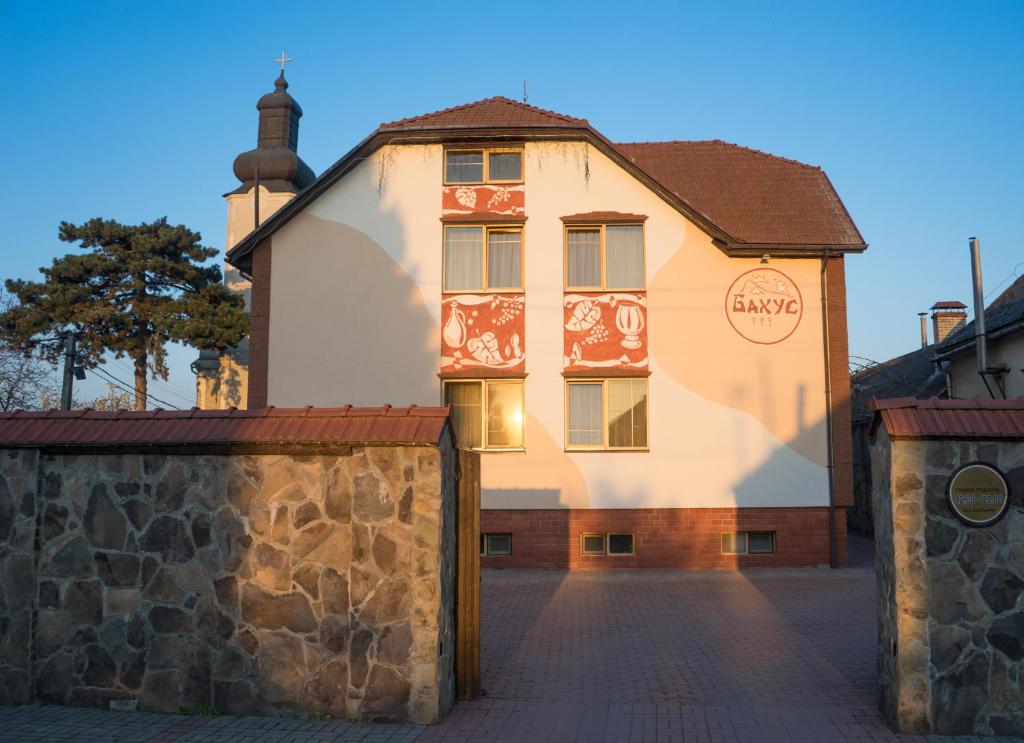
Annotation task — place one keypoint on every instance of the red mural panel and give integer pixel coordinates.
(605, 331)
(483, 331)
(491, 199)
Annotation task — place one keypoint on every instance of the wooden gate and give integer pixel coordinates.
(467, 600)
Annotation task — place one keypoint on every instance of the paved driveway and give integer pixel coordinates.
(702, 656)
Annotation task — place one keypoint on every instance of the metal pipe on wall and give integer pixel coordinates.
(924, 328)
(979, 307)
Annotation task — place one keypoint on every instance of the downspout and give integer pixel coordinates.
(832, 547)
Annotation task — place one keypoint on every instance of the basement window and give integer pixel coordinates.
(593, 544)
(748, 543)
(496, 544)
(610, 543)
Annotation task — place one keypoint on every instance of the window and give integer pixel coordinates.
(611, 543)
(483, 259)
(606, 414)
(495, 544)
(486, 414)
(621, 544)
(485, 165)
(593, 544)
(605, 257)
(748, 543)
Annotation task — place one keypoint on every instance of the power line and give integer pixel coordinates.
(165, 386)
(125, 388)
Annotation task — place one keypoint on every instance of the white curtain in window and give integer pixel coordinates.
(503, 259)
(584, 258)
(627, 412)
(624, 256)
(585, 415)
(463, 258)
(467, 412)
(504, 415)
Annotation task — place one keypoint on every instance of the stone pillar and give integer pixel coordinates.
(950, 596)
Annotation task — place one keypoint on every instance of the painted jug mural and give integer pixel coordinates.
(605, 331)
(483, 330)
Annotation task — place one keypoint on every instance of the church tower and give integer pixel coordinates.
(271, 175)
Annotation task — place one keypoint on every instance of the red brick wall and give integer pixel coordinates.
(839, 376)
(665, 537)
(259, 325)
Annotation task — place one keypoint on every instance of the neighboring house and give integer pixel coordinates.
(1004, 330)
(646, 340)
(913, 374)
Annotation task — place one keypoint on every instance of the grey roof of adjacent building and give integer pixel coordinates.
(1003, 316)
(913, 374)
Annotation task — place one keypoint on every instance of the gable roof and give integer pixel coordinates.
(490, 112)
(754, 196)
(749, 202)
(1003, 316)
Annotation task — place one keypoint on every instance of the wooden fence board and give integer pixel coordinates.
(467, 628)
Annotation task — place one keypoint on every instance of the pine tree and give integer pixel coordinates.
(137, 287)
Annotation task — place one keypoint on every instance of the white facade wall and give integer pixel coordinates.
(356, 311)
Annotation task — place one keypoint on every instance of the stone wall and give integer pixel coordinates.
(950, 597)
(261, 584)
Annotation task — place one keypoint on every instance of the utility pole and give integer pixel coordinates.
(69, 370)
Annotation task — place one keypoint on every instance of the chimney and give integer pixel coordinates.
(924, 329)
(947, 317)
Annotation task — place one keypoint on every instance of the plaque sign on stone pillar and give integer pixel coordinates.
(977, 494)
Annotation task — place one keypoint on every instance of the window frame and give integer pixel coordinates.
(583, 542)
(486, 151)
(746, 542)
(608, 543)
(486, 228)
(485, 538)
(483, 382)
(602, 227)
(604, 446)
(606, 538)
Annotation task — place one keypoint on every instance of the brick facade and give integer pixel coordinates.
(259, 325)
(665, 537)
(839, 379)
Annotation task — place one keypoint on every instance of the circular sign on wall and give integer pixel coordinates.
(764, 305)
(977, 494)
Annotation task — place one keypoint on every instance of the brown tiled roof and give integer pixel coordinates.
(498, 112)
(749, 202)
(908, 417)
(348, 425)
(595, 217)
(753, 196)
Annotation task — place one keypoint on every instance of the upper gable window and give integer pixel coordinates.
(486, 165)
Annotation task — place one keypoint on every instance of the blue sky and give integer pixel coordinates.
(916, 111)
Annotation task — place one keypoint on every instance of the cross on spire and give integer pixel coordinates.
(283, 60)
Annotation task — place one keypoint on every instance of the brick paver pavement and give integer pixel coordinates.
(632, 656)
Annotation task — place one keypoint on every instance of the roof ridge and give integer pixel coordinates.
(492, 99)
(732, 145)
